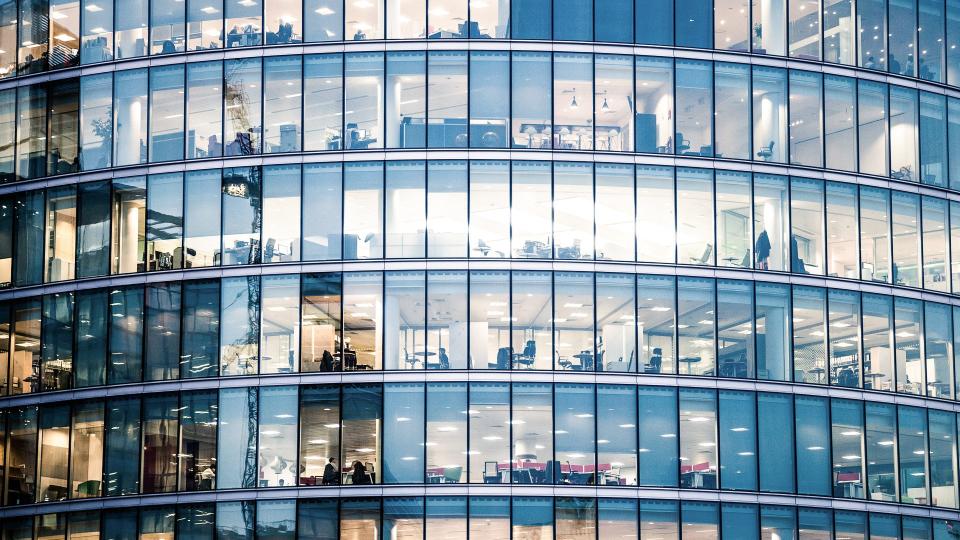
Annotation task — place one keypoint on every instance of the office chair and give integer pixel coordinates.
(656, 361)
(705, 258)
(766, 152)
(682, 144)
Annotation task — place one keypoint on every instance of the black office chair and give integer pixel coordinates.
(503, 358)
(529, 355)
(766, 152)
(656, 361)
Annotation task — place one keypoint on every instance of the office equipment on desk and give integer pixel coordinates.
(89, 488)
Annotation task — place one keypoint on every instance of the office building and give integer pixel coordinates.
(486, 269)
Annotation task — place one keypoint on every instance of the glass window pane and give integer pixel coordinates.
(406, 209)
(943, 468)
(616, 323)
(446, 440)
(198, 440)
(731, 25)
(694, 96)
(840, 122)
(806, 145)
(531, 221)
(280, 324)
(532, 421)
(96, 132)
(201, 329)
(241, 98)
(362, 406)
(162, 348)
(244, 21)
(656, 323)
(573, 228)
(447, 209)
(447, 94)
(164, 224)
(903, 133)
(872, 32)
(363, 120)
(236, 446)
(737, 440)
(239, 317)
(167, 26)
(277, 436)
(847, 443)
(906, 239)
(121, 462)
(242, 215)
(489, 98)
(126, 335)
(844, 325)
(130, 116)
(531, 98)
(770, 114)
(654, 104)
(447, 326)
(363, 211)
(323, 188)
(656, 214)
(404, 332)
(875, 234)
(489, 412)
(695, 221)
(362, 320)
(735, 328)
(813, 445)
(166, 113)
(204, 24)
(201, 227)
(574, 435)
(775, 440)
(319, 441)
(733, 219)
(872, 122)
(490, 320)
(803, 27)
(934, 242)
(131, 29)
(912, 446)
(282, 22)
(617, 435)
(842, 211)
(406, 99)
(933, 139)
(806, 240)
(809, 335)
(838, 32)
(61, 234)
(881, 469)
(572, 75)
(732, 87)
(160, 428)
(613, 76)
(698, 439)
(323, 101)
(659, 448)
(281, 213)
(532, 517)
(204, 110)
(31, 131)
(321, 318)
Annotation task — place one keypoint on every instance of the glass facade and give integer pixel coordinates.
(528, 269)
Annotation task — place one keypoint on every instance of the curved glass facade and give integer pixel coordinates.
(528, 269)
